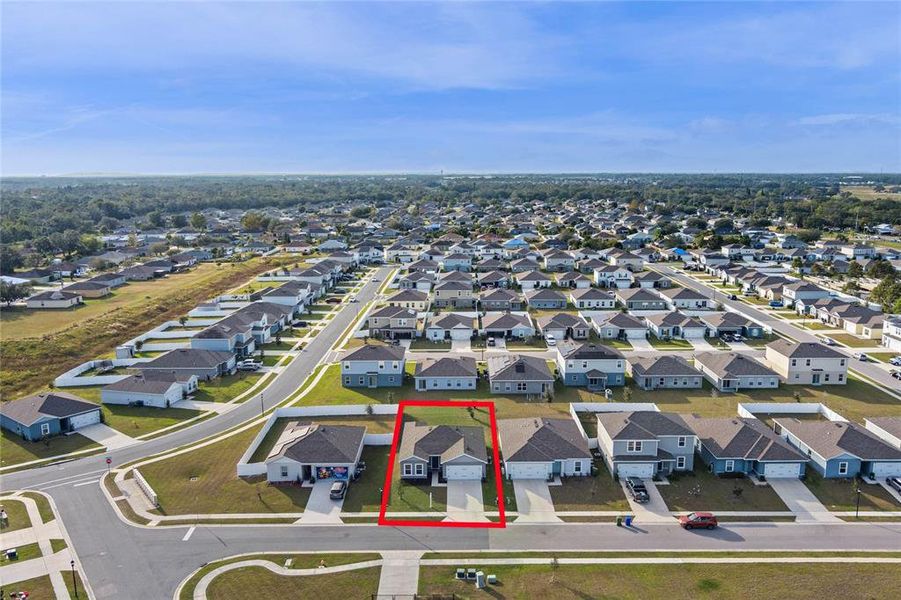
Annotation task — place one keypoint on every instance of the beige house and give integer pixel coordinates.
(807, 363)
(414, 299)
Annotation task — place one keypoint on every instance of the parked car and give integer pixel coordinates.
(895, 374)
(727, 337)
(861, 356)
(828, 341)
(490, 341)
(637, 490)
(249, 365)
(738, 338)
(776, 304)
(733, 297)
(339, 488)
(550, 340)
(894, 483)
(895, 360)
(697, 520)
(301, 324)
(353, 298)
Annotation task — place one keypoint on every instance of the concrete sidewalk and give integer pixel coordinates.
(654, 511)
(400, 574)
(107, 436)
(49, 563)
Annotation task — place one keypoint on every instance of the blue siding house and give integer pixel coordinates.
(841, 449)
(44, 415)
(744, 445)
(594, 366)
(373, 366)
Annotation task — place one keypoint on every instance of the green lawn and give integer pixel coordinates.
(185, 340)
(668, 582)
(841, 495)
(854, 401)
(44, 507)
(26, 552)
(817, 326)
(204, 481)
(596, 492)
(883, 356)
(57, 544)
(225, 389)
(270, 360)
(134, 420)
(422, 343)
(257, 582)
(14, 450)
(853, 341)
(18, 515)
(37, 588)
(671, 344)
(761, 341)
(532, 343)
(717, 494)
(282, 345)
(618, 344)
(365, 494)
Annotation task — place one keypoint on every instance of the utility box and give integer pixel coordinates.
(480, 580)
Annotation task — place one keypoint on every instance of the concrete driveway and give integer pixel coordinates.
(107, 436)
(461, 345)
(801, 501)
(320, 508)
(701, 345)
(533, 501)
(654, 510)
(641, 344)
(464, 501)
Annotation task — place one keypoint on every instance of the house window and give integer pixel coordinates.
(381, 365)
(730, 466)
(347, 381)
(394, 365)
(521, 386)
(284, 470)
(408, 469)
(434, 383)
(680, 462)
(577, 466)
(361, 380)
(45, 428)
(390, 378)
(681, 441)
(841, 377)
(633, 446)
(794, 362)
(346, 365)
(807, 363)
(420, 469)
(842, 468)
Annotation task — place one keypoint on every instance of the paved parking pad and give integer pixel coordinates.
(533, 502)
(801, 501)
(320, 508)
(464, 501)
(654, 510)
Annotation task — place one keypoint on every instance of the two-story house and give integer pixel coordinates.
(393, 322)
(593, 366)
(373, 366)
(455, 294)
(645, 443)
(807, 363)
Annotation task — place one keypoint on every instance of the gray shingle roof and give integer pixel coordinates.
(376, 352)
(518, 367)
(446, 366)
(830, 439)
(31, 409)
(743, 438)
(661, 366)
(446, 441)
(642, 425)
(803, 349)
(541, 439)
(187, 358)
(318, 443)
(732, 364)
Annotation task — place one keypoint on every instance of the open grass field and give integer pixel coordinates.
(717, 494)
(841, 494)
(40, 345)
(256, 582)
(224, 389)
(15, 451)
(669, 582)
(18, 516)
(204, 481)
(134, 420)
(866, 192)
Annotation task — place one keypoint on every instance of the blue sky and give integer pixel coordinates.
(387, 87)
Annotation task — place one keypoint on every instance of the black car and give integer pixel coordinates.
(894, 483)
(637, 490)
(339, 488)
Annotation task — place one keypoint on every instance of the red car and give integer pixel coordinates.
(696, 520)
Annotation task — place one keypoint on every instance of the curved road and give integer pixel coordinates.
(124, 561)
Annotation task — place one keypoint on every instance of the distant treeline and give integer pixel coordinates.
(36, 207)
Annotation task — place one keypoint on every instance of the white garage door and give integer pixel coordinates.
(887, 469)
(782, 470)
(528, 470)
(86, 419)
(461, 334)
(644, 470)
(463, 472)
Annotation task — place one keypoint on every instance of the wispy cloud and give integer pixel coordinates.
(851, 119)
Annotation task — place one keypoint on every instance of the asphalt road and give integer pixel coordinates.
(869, 369)
(124, 561)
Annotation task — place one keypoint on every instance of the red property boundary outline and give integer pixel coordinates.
(398, 423)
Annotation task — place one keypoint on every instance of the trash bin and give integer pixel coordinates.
(619, 521)
(629, 520)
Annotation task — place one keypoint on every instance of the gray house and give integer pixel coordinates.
(542, 448)
(730, 371)
(507, 325)
(373, 366)
(645, 443)
(446, 373)
(313, 451)
(519, 374)
(452, 452)
(664, 372)
(44, 415)
(545, 299)
(564, 326)
(500, 299)
(640, 299)
(205, 364)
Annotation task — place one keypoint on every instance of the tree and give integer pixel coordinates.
(855, 270)
(11, 292)
(179, 221)
(627, 394)
(156, 218)
(198, 221)
(10, 259)
(253, 221)
(159, 247)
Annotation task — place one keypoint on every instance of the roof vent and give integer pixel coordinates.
(520, 368)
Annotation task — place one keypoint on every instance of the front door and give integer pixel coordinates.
(373, 381)
(306, 473)
(816, 379)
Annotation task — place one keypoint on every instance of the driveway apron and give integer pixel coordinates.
(533, 502)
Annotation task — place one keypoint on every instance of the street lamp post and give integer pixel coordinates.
(857, 507)
(74, 581)
(262, 409)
